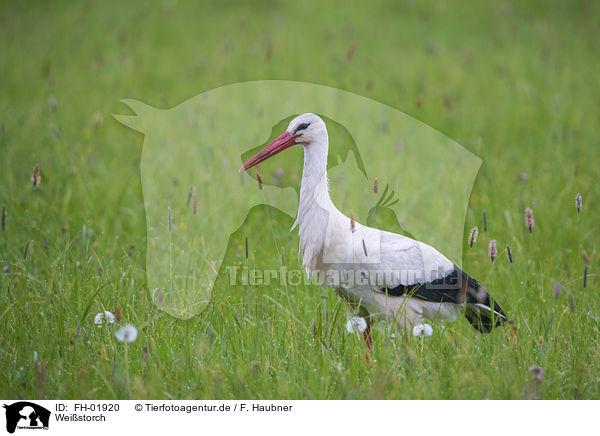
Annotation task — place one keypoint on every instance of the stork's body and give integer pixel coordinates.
(385, 275)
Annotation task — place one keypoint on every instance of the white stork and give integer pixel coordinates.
(384, 275)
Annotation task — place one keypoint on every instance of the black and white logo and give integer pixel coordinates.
(26, 415)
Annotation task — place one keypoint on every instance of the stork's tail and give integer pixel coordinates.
(480, 309)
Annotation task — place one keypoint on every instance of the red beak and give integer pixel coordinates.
(284, 141)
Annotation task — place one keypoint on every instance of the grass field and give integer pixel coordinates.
(516, 83)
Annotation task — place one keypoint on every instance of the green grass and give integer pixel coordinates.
(521, 88)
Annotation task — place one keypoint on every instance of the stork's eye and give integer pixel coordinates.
(302, 126)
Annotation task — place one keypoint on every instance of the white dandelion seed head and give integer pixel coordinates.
(421, 330)
(104, 318)
(356, 324)
(127, 333)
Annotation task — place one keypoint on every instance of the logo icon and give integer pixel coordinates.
(197, 204)
(26, 415)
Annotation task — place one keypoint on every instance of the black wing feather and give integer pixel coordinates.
(457, 287)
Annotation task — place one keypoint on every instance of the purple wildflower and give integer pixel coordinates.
(537, 371)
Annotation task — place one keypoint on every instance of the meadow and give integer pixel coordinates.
(515, 83)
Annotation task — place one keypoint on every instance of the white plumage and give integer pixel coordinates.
(385, 275)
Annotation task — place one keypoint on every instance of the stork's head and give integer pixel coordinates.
(305, 130)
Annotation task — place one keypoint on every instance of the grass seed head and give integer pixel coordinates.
(473, 236)
(578, 202)
(36, 178)
(259, 179)
(98, 120)
(40, 371)
(557, 289)
(493, 250)
(52, 102)
(278, 175)
(484, 221)
(189, 197)
(585, 257)
(350, 51)
(376, 185)
(26, 249)
(352, 222)
(529, 220)
(447, 101)
(54, 130)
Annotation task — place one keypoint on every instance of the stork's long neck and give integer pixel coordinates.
(315, 206)
(314, 191)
